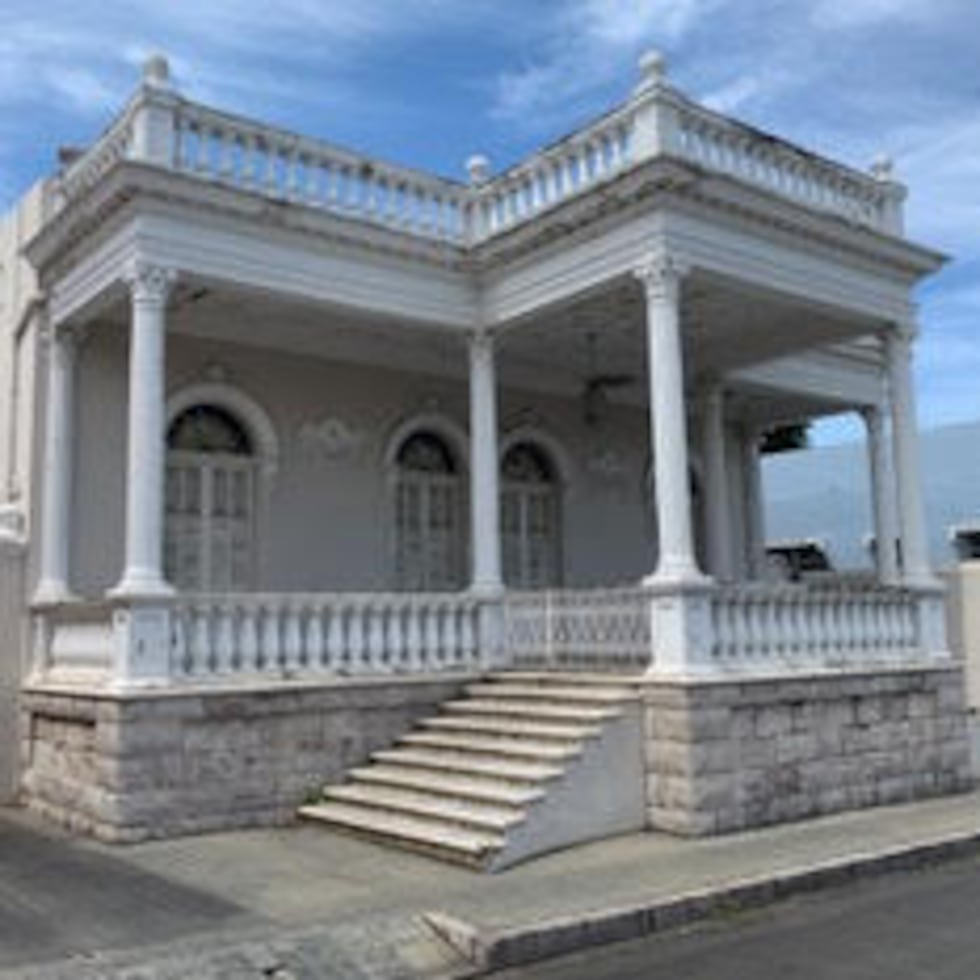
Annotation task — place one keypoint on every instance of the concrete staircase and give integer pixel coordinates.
(523, 764)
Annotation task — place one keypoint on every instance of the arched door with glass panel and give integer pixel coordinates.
(429, 509)
(530, 518)
(210, 502)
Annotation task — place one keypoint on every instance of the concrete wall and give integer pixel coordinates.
(128, 768)
(12, 654)
(324, 520)
(963, 623)
(732, 754)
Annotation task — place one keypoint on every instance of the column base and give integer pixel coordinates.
(677, 573)
(50, 592)
(141, 585)
(486, 590)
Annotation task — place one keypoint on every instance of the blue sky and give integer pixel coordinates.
(429, 82)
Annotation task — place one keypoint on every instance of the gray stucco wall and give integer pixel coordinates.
(324, 522)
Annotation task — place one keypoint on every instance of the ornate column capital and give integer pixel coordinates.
(149, 283)
(482, 344)
(661, 274)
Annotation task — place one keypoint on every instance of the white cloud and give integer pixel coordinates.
(845, 14)
(586, 44)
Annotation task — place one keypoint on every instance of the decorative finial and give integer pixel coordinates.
(883, 168)
(156, 71)
(653, 70)
(478, 167)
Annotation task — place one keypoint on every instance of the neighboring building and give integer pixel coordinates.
(299, 441)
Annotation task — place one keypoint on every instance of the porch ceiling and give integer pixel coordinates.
(725, 327)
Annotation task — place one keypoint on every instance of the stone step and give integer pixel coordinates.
(480, 788)
(502, 708)
(529, 773)
(570, 694)
(463, 846)
(510, 748)
(426, 805)
(568, 678)
(507, 727)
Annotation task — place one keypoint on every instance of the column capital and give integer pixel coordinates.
(661, 274)
(482, 342)
(149, 283)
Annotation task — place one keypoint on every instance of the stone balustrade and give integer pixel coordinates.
(824, 627)
(165, 130)
(749, 629)
(343, 633)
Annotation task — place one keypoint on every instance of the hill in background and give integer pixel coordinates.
(824, 492)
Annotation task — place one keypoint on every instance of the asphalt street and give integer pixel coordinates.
(58, 901)
(922, 925)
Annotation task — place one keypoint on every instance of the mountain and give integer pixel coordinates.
(824, 492)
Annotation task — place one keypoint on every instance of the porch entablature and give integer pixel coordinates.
(659, 145)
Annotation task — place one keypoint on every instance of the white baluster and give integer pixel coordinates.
(292, 646)
(271, 647)
(433, 650)
(413, 637)
(225, 641)
(376, 637)
(336, 641)
(468, 644)
(248, 639)
(227, 143)
(396, 636)
(203, 145)
(314, 640)
(448, 632)
(355, 638)
(271, 165)
(201, 642)
(180, 644)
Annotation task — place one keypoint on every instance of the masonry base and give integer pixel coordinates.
(735, 753)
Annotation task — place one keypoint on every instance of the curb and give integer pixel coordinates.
(489, 950)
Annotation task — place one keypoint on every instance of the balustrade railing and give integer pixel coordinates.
(723, 145)
(338, 633)
(585, 628)
(224, 148)
(565, 170)
(794, 625)
(165, 130)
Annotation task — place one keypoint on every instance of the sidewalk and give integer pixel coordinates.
(302, 902)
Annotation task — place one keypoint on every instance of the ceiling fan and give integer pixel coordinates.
(597, 383)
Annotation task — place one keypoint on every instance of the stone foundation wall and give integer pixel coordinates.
(730, 754)
(136, 766)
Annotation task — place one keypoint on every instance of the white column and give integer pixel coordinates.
(717, 525)
(143, 575)
(484, 467)
(755, 514)
(882, 495)
(56, 493)
(661, 279)
(915, 551)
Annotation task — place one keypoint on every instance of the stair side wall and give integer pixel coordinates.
(599, 794)
(138, 766)
(728, 755)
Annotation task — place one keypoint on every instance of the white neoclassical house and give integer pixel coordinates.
(299, 442)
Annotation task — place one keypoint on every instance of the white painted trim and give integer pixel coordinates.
(431, 420)
(247, 409)
(555, 451)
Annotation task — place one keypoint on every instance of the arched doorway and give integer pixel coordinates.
(530, 518)
(429, 515)
(210, 501)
